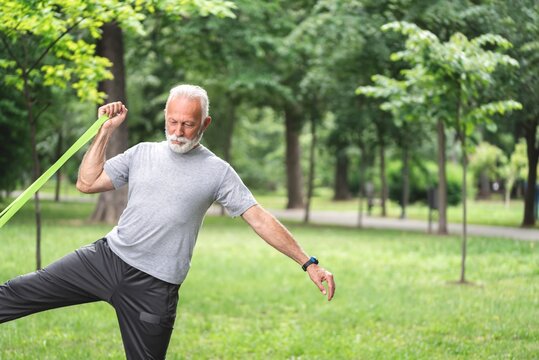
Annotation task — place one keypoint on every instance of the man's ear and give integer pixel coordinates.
(207, 122)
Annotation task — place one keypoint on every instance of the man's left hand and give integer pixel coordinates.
(319, 275)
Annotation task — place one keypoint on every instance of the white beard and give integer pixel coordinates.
(186, 145)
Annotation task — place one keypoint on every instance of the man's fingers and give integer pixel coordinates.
(319, 277)
(112, 109)
(321, 287)
(331, 286)
(328, 278)
(116, 112)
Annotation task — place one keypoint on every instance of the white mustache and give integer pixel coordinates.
(185, 143)
(178, 138)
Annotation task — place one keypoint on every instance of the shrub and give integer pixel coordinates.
(422, 176)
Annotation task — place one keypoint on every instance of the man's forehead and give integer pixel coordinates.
(183, 105)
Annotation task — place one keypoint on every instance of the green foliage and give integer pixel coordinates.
(229, 56)
(461, 70)
(48, 50)
(518, 161)
(13, 140)
(59, 33)
(258, 152)
(186, 8)
(420, 182)
(423, 176)
(454, 184)
(516, 168)
(488, 159)
(46, 30)
(64, 122)
(286, 53)
(340, 43)
(518, 21)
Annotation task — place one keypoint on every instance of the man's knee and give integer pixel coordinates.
(13, 299)
(24, 287)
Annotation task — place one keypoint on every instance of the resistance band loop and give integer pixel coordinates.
(12, 208)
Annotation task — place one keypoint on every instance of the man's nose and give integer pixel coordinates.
(179, 130)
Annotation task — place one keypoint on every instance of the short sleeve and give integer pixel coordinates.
(233, 194)
(117, 168)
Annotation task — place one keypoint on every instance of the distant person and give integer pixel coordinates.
(139, 266)
(369, 190)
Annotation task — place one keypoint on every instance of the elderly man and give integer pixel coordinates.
(139, 266)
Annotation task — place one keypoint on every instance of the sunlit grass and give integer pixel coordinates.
(243, 300)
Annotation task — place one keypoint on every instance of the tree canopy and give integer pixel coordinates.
(467, 64)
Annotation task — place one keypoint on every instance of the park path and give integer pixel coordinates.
(350, 219)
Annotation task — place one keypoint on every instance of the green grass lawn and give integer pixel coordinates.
(243, 300)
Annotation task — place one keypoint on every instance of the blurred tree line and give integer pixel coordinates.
(281, 74)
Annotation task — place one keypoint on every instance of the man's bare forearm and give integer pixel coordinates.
(91, 176)
(278, 236)
(275, 234)
(93, 161)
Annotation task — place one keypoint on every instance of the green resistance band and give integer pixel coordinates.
(12, 208)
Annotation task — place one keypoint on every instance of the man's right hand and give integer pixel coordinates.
(116, 112)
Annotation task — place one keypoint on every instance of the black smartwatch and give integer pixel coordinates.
(312, 260)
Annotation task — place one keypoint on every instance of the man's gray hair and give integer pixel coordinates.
(191, 92)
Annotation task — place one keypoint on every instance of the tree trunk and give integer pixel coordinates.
(312, 155)
(533, 157)
(59, 172)
(464, 218)
(405, 181)
(294, 175)
(442, 180)
(464, 208)
(112, 203)
(383, 195)
(484, 185)
(35, 167)
(341, 190)
(507, 190)
(361, 188)
(461, 133)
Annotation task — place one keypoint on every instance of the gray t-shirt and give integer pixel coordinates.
(168, 196)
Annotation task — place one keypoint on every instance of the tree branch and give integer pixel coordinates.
(51, 45)
(38, 115)
(13, 57)
(14, 28)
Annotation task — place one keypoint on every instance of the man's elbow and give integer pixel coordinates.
(258, 218)
(83, 187)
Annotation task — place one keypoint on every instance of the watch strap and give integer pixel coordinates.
(312, 260)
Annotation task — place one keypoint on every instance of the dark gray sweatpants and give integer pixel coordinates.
(145, 306)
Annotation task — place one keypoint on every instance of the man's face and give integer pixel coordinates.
(183, 124)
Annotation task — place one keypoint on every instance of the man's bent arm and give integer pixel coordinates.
(92, 177)
(275, 234)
